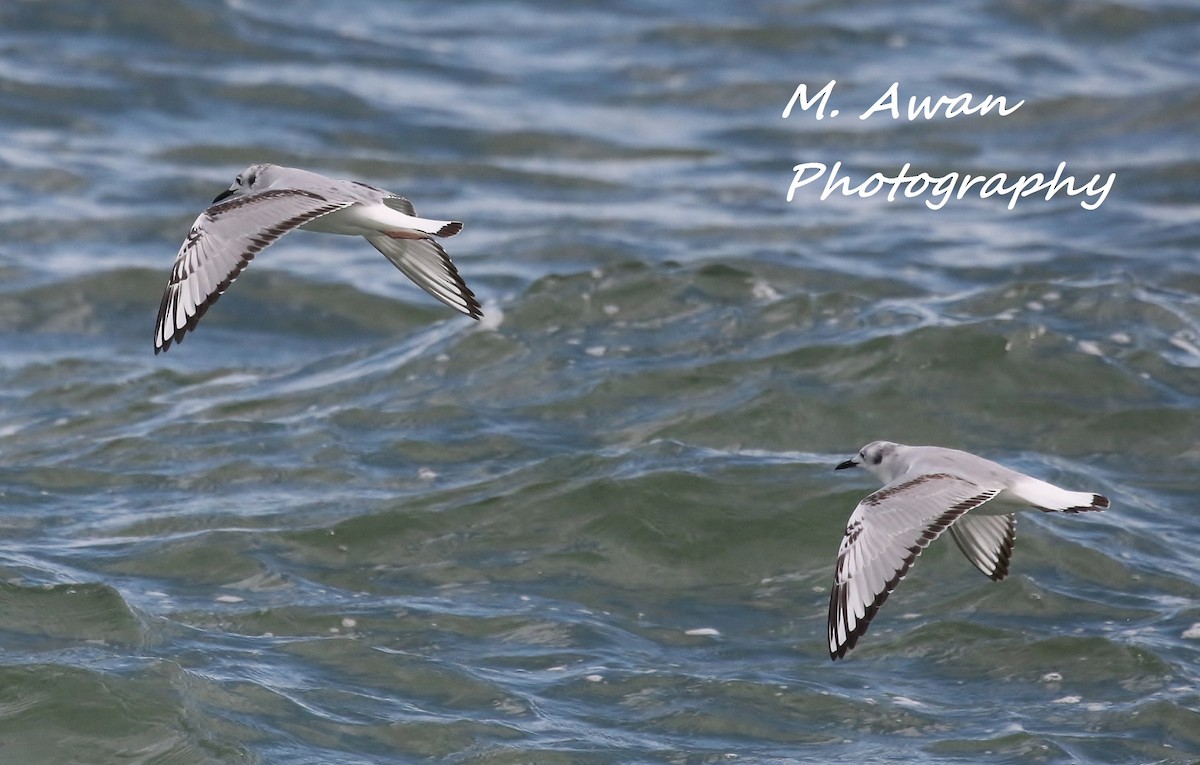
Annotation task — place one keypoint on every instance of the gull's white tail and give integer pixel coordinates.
(1050, 498)
(411, 221)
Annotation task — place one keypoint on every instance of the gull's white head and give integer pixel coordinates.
(249, 180)
(882, 458)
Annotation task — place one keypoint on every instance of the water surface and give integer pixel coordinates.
(341, 523)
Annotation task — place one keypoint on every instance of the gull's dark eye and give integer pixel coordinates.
(238, 180)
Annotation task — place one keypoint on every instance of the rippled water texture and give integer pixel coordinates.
(342, 524)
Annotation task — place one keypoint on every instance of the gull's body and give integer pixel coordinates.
(927, 490)
(267, 201)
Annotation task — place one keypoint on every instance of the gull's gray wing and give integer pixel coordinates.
(426, 263)
(223, 240)
(987, 541)
(394, 201)
(884, 536)
(400, 204)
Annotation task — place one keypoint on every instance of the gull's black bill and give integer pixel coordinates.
(846, 464)
(223, 195)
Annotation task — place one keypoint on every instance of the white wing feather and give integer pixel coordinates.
(884, 536)
(222, 241)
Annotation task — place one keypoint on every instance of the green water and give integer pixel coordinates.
(340, 524)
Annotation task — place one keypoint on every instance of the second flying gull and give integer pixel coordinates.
(927, 490)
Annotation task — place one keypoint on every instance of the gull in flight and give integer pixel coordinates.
(267, 201)
(927, 490)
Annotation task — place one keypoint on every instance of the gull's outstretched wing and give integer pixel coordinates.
(884, 536)
(223, 240)
(426, 263)
(987, 541)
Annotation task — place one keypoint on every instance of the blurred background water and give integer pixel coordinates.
(343, 524)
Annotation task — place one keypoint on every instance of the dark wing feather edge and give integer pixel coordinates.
(192, 257)
(839, 597)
